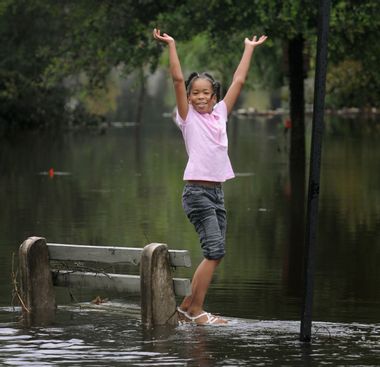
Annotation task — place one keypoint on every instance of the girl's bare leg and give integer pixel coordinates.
(193, 304)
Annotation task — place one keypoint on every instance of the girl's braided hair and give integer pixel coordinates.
(215, 85)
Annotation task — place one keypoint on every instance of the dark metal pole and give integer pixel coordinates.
(315, 164)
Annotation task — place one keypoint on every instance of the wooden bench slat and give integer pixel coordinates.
(112, 282)
(110, 254)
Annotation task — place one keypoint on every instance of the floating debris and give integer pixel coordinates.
(52, 173)
(244, 174)
(120, 124)
(167, 114)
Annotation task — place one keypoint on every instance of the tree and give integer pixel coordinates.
(27, 31)
(355, 53)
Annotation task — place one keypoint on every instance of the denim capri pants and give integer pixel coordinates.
(204, 206)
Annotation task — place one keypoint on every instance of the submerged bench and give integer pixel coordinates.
(38, 274)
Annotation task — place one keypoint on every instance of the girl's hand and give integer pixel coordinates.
(162, 38)
(254, 41)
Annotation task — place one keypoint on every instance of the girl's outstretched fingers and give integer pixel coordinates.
(254, 41)
(262, 39)
(163, 38)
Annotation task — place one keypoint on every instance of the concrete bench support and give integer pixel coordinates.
(158, 302)
(36, 282)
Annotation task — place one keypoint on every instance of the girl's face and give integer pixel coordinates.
(202, 96)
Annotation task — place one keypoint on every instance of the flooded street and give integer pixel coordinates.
(89, 337)
(124, 188)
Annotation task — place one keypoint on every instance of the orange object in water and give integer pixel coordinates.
(288, 123)
(51, 172)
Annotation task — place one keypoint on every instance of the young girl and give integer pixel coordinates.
(202, 119)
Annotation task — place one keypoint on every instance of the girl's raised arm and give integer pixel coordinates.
(176, 73)
(241, 72)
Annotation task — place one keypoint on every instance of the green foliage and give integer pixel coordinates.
(103, 35)
(354, 29)
(349, 85)
(27, 30)
(29, 104)
(45, 43)
(355, 53)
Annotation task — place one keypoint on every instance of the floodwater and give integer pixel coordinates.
(123, 188)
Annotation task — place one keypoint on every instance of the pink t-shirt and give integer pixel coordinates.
(206, 144)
